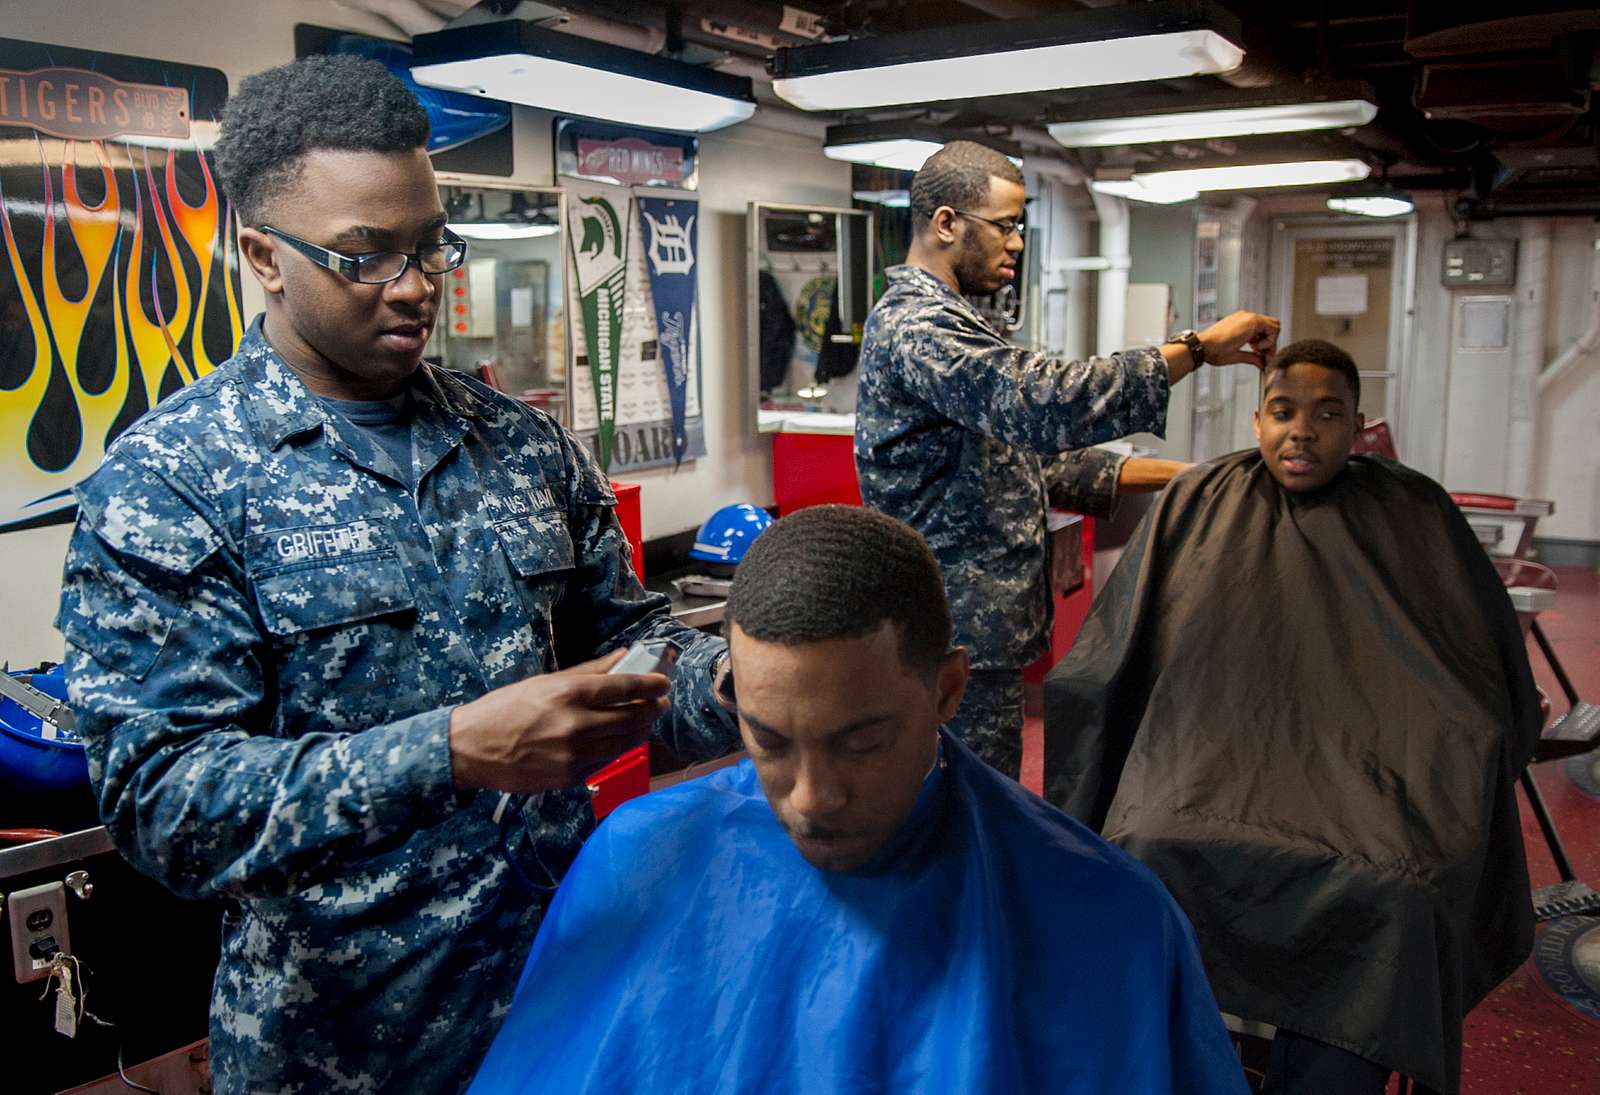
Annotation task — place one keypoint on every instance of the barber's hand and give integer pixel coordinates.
(552, 730)
(1242, 338)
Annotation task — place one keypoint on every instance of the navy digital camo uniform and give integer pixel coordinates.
(267, 632)
(958, 433)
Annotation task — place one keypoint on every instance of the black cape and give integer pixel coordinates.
(1308, 714)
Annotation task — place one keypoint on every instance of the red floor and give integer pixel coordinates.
(1523, 1039)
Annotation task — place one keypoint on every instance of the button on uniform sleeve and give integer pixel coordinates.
(1031, 400)
(166, 669)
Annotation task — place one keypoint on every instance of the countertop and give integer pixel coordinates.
(702, 612)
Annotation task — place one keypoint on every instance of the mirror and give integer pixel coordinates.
(888, 192)
(810, 288)
(504, 319)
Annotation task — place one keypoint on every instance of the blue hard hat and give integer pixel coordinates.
(728, 533)
(30, 762)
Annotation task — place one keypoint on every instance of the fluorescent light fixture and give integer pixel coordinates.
(504, 231)
(902, 146)
(1372, 199)
(1183, 184)
(1158, 41)
(1254, 176)
(1234, 113)
(1144, 192)
(1202, 125)
(518, 62)
(901, 154)
(1374, 205)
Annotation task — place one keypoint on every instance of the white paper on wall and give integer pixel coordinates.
(1341, 295)
(522, 307)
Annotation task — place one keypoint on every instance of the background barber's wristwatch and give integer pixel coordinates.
(1190, 339)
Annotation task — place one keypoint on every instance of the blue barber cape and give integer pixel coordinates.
(995, 946)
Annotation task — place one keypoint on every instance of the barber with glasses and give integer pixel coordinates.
(339, 624)
(965, 436)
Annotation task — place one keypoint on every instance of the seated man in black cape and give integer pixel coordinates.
(1303, 699)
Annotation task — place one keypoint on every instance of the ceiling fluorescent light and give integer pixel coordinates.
(1204, 125)
(1157, 41)
(1372, 200)
(1375, 206)
(899, 153)
(1184, 184)
(1143, 192)
(518, 62)
(902, 146)
(1255, 176)
(1242, 113)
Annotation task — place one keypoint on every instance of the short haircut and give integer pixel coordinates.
(1316, 351)
(958, 176)
(338, 102)
(841, 572)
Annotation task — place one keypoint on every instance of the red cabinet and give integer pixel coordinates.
(810, 469)
(629, 775)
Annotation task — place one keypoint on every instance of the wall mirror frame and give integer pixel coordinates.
(814, 265)
(503, 318)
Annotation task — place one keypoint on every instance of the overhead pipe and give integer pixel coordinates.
(1488, 209)
(1062, 228)
(561, 17)
(1096, 263)
(1115, 234)
(1007, 9)
(643, 27)
(612, 31)
(737, 64)
(1527, 351)
(1038, 140)
(742, 27)
(1586, 343)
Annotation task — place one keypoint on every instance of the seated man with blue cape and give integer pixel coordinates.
(1303, 699)
(862, 905)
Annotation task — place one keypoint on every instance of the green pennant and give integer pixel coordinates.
(600, 253)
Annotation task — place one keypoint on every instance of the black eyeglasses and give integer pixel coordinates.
(381, 267)
(1007, 226)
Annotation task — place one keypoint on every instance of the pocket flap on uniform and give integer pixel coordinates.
(536, 545)
(333, 592)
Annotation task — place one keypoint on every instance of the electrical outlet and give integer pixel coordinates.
(38, 929)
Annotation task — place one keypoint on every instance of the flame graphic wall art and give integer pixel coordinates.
(119, 284)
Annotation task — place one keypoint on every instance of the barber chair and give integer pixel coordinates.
(1504, 526)
(1376, 437)
(1532, 589)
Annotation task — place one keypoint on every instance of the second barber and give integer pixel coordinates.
(953, 424)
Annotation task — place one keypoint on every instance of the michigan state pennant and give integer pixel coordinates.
(598, 217)
(669, 231)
